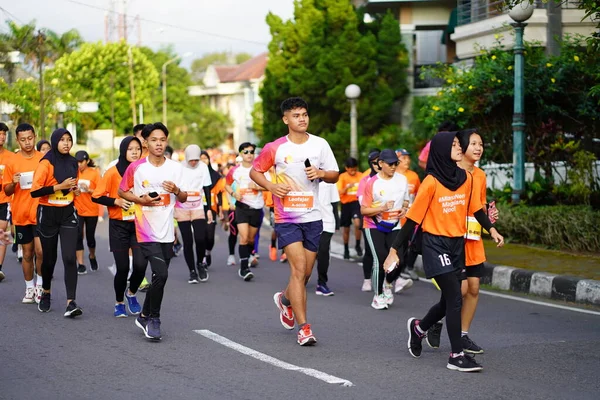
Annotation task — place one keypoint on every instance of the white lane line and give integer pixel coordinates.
(271, 360)
(525, 300)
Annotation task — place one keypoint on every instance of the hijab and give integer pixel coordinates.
(39, 144)
(65, 165)
(122, 163)
(192, 152)
(440, 164)
(214, 175)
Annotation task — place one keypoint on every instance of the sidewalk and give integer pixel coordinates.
(553, 286)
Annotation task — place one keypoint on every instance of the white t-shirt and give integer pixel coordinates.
(194, 181)
(328, 194)
(241, 176)
(379, 191)
(153, 223)
(301, 204)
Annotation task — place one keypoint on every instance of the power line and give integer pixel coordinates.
(12, 16)
(217, 35)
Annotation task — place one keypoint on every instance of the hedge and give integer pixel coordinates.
(572, 228)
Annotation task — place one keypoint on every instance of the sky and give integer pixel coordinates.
(191, 26)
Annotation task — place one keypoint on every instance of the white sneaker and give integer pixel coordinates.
(387, 293)
(253, 260)
(379, 302)
(113, 269)
(402, 284)
(231, 260)
(29, 296)
(38, 294)
(367, 287)
(20, 254)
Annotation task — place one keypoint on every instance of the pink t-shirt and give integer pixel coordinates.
(424, 154)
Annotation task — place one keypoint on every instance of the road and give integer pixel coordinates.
(532, 351)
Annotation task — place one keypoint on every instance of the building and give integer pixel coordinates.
(234, 90)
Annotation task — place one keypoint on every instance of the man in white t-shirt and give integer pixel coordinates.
(153, 184)
(301, 160)
(329, 198)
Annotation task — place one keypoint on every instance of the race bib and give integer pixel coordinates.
(391, 215)
(2, 167)
(353, 189)
(26, 180)
(298, 201)
(194, 196)
(165, 200)
(84, 185)
(473, 229)
(58, 198)
(128, 215)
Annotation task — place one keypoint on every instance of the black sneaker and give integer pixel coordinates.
(463, 363)
(202, 273)
(44, 304)
(359, 251)
(2, 276)
(208, 259)
(15, 247)
(193, 277)
(81, 270)
(142, 323)
(434, 335)
(93, 264)
(469, 346)
(153, 329)
(73, 310)
(346, 254)
(414, 338)
(246, 274)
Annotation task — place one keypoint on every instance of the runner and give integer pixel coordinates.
(441, 208)
(384, 204)
(191, 215)
(329, 199)
(56, 217)
(121, 229)
(217, 188)
(16, 181)
(248, 206)
(347, 186)
(229, 223)
(87, 210)
(153, 183)
(43, 146)
(6, 157)
(300, 161)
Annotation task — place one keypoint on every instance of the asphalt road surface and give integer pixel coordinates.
(222, 340)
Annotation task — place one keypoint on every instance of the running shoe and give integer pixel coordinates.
(153, 329)
(2, 276)
(346, 254)
(73, 310)
(323, 290)
(144, 286)
(44, 305)
(177, 249)
(132, 304)
(81, 269)
(93, 264)
(469, 346)
(387, 293)
(359, 251)
(246, 274)
(29, 296)
(286, 314)
(38, 294)
(253, 260)
(402, 284)
(202, 272)
(207, 258)
(142, 323)
(120, 311)
(272, 253)
(113, 269)
(379, 302)
(231, 260)
(367, 286)
(283, 258)
(463, 363)
(193, 277)
(14, 247)
(434, 335)
(305, 336)
(414, 338)
(20, 254)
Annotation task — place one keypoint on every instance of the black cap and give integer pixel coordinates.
(246, 145)
(82, 155)
(373, 155)
(389, 156)
(402, 152)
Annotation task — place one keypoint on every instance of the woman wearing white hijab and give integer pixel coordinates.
(190, 215)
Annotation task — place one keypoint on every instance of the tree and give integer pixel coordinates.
(321, 51)
(199, 65)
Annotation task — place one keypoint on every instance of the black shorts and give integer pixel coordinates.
(244, 214)
(350, 211)
(121, 235)
(50, 220)
(4, 212)
(474, 271)
(309, 233)
(25, 233)
(442, 254)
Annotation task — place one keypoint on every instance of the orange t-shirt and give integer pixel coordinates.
(447, 213)
(109, 186)
(24, 207)
(44, 176)
(88, 180)
(413, 181)
(347, 186)
(6, 157)
(474, 250)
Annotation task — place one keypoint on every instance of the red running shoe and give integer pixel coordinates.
(286, 315)
(305, 336)
(273, 253)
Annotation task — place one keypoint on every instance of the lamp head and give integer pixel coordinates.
(352, 91)
(522, 11)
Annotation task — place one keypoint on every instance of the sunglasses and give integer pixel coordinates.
(394, 164)
(248, 152)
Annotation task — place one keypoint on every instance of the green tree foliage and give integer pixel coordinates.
(199, 65)
(317, 54)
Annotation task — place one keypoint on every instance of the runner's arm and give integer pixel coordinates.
(104, 200)
(207, 194)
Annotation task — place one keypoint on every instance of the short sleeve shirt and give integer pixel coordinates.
(44, 177)
(379, 191)
(194, 182)
(109, 186)
(424, 154)
(474, 250)
(88, 180)
(240, 175)
(6, 158)
(347, 186)
(328, 194)
(23, 207)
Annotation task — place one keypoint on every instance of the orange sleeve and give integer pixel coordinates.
(419, 208)
(475, 199)
(102, 186)
(417, 183)
(40, 176)
(7, 176)
(341, 182)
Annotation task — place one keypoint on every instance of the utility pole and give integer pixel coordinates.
(131, 84)
(112, 110)
(41, 38)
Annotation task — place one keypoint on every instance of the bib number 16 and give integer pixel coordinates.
(445, 260)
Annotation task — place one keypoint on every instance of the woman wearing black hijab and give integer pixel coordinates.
(441, 208)
(56, 216)
(121, 229)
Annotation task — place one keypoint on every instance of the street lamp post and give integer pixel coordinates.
(519, 13)
(164, 84)
(353, 93)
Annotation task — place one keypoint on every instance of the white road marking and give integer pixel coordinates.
(271, 360)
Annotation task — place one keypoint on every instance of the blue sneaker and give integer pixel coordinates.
(153, 329)
(323, 290)
(133, 305)
(120, 311)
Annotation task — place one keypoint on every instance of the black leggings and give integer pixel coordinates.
(232, 240)
(210, 232)
(367, 262)
(90, 232)
(137, 275)
(52, 223)
(380, 244)
(449, 306)
(198, 236)
(159, 255)
(323, 256)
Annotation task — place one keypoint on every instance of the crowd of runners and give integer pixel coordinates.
(158, 207)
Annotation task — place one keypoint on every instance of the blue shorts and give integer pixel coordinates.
(309, 233)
